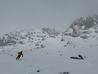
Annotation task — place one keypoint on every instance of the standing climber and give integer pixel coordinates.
(19, 55)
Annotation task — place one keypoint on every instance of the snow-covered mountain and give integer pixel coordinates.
(83, 26)
(23, 39)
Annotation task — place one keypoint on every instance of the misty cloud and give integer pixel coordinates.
(25, 14)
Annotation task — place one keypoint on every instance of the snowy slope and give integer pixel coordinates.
(53, 59)
(49, 51)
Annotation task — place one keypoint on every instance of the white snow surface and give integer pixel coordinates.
(53, 59)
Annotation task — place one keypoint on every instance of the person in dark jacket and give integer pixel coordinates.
(19, 55)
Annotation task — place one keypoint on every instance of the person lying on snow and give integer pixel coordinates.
(19, 55)
(80, 57)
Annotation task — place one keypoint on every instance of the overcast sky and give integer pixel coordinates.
(27, 14)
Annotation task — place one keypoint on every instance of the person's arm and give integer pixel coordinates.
(22, 55)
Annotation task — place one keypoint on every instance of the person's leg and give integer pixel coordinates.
(18, 57)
